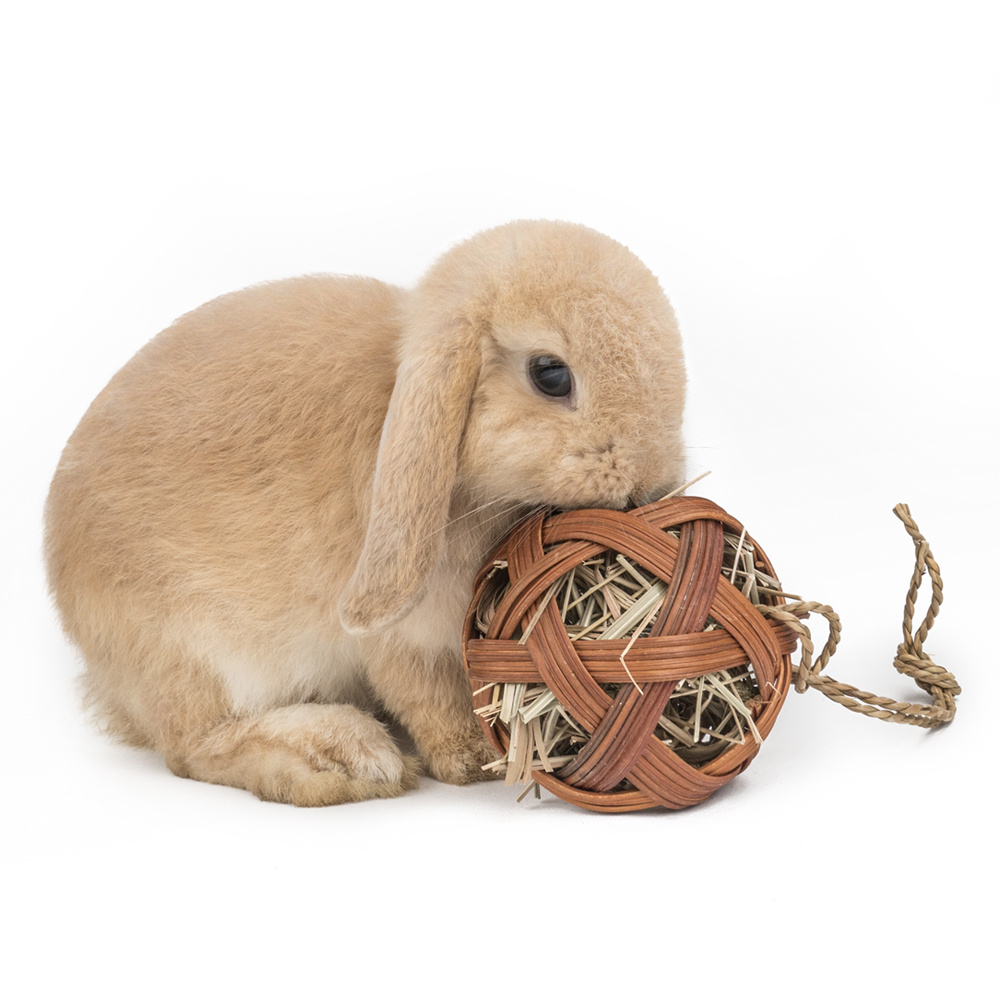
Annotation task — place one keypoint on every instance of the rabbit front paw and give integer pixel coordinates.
(458, 757)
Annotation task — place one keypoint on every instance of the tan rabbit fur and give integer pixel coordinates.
(262, 534)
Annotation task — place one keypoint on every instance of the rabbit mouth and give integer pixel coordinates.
(599, 478)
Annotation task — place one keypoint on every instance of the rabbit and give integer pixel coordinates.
(262, 535)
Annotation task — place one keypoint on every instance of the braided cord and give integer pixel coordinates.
(910, 659)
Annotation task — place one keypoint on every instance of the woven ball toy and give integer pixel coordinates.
(630, 659)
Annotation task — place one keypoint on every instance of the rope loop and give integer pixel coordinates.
(910, 660)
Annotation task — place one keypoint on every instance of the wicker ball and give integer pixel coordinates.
(705, 581)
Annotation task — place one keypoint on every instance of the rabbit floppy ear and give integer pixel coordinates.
(414, 476)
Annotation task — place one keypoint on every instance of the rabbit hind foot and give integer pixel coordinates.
(305, 755)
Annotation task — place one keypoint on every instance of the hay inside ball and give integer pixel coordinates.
(624, 660)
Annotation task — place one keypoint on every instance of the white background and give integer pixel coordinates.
(815, 186)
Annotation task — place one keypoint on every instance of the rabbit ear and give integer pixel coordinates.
(414, 476)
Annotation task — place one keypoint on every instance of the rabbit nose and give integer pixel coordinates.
(596, 477)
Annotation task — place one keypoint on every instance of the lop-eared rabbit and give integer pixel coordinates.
(263, 533)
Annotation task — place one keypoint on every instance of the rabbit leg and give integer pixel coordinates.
(307, 754)
(430, 696)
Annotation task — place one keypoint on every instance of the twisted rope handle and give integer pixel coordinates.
(910, 660)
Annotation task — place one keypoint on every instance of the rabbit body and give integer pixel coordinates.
(263, 533)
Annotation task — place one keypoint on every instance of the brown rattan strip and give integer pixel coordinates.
(621, 738)
(663, 658)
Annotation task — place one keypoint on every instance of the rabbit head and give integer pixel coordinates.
(539, 364)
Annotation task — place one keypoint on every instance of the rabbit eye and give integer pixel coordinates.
(550, 375)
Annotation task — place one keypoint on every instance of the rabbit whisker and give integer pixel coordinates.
(477, 526)
(509, 506)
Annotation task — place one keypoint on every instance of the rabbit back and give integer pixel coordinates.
(207, 507)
